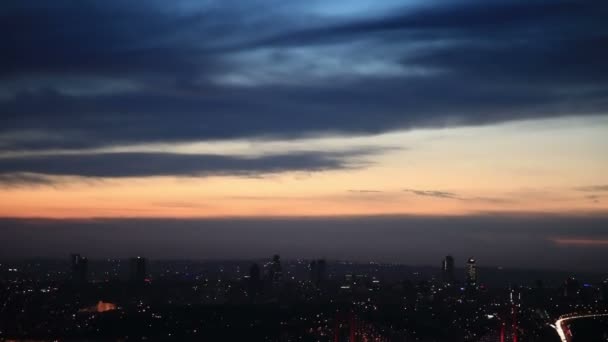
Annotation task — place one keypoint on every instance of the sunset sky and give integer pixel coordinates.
(304, 109)
(549, 165)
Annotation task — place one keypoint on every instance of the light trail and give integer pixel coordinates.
(560, 329)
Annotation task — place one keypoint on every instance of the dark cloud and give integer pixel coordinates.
(113, 38)
(95, 74)
(469, 18)
(13, 180)
(18, 170)
(451, 195)
(433, 193)
(510, 241)
(593, 188)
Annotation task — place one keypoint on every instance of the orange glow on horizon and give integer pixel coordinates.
(522, 167)
(580, 242)
(284, 195)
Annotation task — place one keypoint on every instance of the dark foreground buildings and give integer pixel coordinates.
(293, 300)
(138, 270)
(79, 268)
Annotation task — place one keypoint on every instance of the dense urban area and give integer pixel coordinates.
(296, 300)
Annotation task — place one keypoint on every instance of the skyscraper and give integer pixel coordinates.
(79, 268)
(138, 270)
(571, 288)
(255, 281)
(448, 270)
(317, 271)
(276, 271)
(471, 272)
(604, 291)
(321, 271)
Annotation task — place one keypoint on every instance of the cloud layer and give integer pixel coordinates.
(109, 73)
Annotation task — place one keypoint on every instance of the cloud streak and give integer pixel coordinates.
(580, 242)
(433, 193)
(20, 170)
(593, 188)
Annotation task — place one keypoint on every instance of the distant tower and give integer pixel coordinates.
(79, 268)
(312, 267)
(254, 272)
(447, 270)
(321, 271)
(83, 269)
(571, 288)
(138, 270)
(604, 291)
(276, 272)
(317, 272)
(255, 281)
(471, 272)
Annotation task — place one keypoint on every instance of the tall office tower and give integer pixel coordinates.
(83, 270)
(276, 272)
(79, 268)
(312, 267)
(138, 270)
(74, 260)
(571, 288)
(317, 272)
(471, 272)
(255, 281)
(448, 270)
(604, 291)
(321, 271)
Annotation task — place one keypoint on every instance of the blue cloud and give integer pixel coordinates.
(98, 74)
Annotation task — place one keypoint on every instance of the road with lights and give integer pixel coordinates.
(563, 330)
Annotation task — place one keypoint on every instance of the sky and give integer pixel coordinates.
(191, 113)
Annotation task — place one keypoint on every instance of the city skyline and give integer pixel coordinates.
(523, 242)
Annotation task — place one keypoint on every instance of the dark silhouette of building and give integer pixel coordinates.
(276, 272)
(471, 272)
(317, 272)
(604, 291)
(79, 268)
(138, 270)
(255, 281)
(571, 288)
(447, 270)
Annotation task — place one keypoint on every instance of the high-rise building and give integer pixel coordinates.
(79, 268)
(321, 271)
(604, 291)
(317, 271)
(471, 272)
(255, 281)
(74, 260)
(571, 288)
(447, 270)
(276, 272)
(138, 270)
